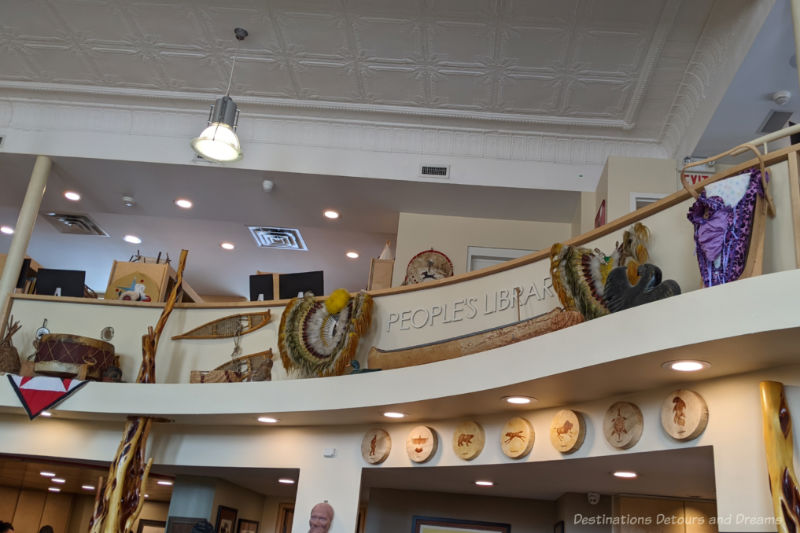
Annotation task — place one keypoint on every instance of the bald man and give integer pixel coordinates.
(321, 518)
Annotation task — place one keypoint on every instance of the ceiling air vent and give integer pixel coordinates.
(434, 171)
(75, 224)
(775, 120)
(280, 238)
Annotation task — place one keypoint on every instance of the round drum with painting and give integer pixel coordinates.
(375, 446)
(421, 444)
(623, 424)
(567, 431)
(684, 415)
(66, 351)
(468, 440)
(516, 437)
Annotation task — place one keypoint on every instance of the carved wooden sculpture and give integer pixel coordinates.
(122, 499)
(780, 461)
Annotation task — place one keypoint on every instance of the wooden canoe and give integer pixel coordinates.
(228, 326)
(474, 342)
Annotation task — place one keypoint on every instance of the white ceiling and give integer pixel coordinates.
(558, 84)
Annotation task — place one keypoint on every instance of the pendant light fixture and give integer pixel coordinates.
(219, 142)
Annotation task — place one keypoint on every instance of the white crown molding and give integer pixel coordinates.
(722, 46)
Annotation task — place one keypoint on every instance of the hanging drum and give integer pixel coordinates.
(61, 354)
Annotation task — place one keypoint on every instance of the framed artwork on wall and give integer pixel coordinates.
(226, 519)
(429, 524)
(151, 526)
(247, 526)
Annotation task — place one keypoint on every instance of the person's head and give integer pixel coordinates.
(6, 527)
(46, 529)
(321, 518)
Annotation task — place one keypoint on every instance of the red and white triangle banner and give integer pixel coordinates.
(42, 392)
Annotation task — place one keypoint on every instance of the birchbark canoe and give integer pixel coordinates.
(473, 342)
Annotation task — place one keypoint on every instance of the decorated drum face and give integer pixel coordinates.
(684, 414)
(421, 444)
(622, 425)
(77, 350)
(567, 431)
(516, 438)
(468, 440)
(375, 446)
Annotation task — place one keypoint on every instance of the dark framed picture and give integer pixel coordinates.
(226, 519)
(429, 524)
(247, 526)
(559, 527)
(178, 524)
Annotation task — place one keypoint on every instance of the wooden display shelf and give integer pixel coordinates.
(156, 280)
(29, 271)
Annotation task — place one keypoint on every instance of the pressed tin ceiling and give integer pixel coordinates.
(573, 63)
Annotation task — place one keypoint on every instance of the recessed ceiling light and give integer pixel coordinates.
(47, 474)
(331, 214)
(227, 245)
(133, 239)
(87, 487)
(184, 203)
(393, 414)
(146, 495)
(286, 481)
(625, 474)
(72, 196)
(687, 365)
(46, 413)
(352, 254)
(8, 230)
(484, 483)
(518, 400)
(54, 489)
(165, 482)
(267, 420)
(59, 480)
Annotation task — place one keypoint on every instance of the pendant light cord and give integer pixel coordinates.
(230, 79)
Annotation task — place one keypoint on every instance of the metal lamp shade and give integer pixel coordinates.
(219, 142)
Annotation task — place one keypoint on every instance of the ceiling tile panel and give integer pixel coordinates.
(524, 93)
(609, 52)
(58, 64)
(13, 65)
(95, 20)
(314, 35)
(31, 19)
(461, 89)
(463, 9)
(622, 13)
(597, 98)
(262, 76)
(460, 43)
(172, 24)
(182, 70)
(125, 67)
(387, 40)
(534, 47)
(388, 8)
(559, 13)
(326, 80)
(393, 85)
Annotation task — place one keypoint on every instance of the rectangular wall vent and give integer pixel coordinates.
(434, 171)
(280, 238)
(775, 120)
(75, 224)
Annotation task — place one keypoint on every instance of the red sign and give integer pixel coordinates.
(695, 178)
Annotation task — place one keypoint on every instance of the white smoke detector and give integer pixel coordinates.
(781, 97)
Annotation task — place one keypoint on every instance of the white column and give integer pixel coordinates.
(22, 232)
(796, 21)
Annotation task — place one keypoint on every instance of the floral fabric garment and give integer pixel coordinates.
(723, 222)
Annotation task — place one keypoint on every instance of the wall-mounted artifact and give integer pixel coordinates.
(375, 446)
(228, 326)
(64, 355)
(619, 294)
(9, 356)
(623, 424)
(136, 287)
(567, 431)
(252, 367)
(579, 274)
(729, 221)
(320, 339)
(468, 440)
(428, 265)
(779, 448)
(684, 414)
(421, 444)
(469, 344)
(516, 437)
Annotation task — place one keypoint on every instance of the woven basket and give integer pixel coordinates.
(9, 358)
